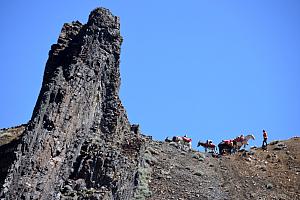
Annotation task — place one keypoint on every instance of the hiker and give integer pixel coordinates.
(265, 136)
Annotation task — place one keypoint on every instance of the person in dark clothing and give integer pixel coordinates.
(265, 136)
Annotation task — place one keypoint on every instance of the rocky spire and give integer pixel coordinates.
(78, 139)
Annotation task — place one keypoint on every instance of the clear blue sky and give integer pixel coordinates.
(211, 69)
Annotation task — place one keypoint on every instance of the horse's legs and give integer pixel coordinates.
(178, 144)
(220, 149)
(233, 149)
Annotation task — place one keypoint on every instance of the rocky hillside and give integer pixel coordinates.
(79, 143)
(256, 174)
(165, 171)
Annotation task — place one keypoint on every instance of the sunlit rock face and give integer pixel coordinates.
(79, 143)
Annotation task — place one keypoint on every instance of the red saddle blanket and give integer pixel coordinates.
(228, 142)
(211, 145)
(239, 139)
(186, 139)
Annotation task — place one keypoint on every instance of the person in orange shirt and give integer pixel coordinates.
(265, 136)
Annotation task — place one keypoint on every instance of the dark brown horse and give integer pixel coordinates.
(225, 147)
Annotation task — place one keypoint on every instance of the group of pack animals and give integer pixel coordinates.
(225, 147)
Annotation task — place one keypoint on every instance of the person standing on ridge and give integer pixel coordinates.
(265, 136)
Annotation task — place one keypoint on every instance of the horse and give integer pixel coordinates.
(210, 146)
(225, 146)
(239, 142)
(183, 141)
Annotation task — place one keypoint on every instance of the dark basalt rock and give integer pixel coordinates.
(78, 143)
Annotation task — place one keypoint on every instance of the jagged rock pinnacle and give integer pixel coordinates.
(102, 17)
(77, 138)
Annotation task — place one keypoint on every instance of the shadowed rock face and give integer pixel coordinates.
(9, 141)
(78, 143)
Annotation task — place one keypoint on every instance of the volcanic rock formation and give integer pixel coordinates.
(79, 137)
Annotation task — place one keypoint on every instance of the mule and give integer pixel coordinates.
(183, 141)
(239, 142)
(225, 147)
(207, 146)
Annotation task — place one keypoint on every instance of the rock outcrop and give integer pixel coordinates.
(79, 143)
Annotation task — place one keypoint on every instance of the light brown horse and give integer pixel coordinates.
(239, 142)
